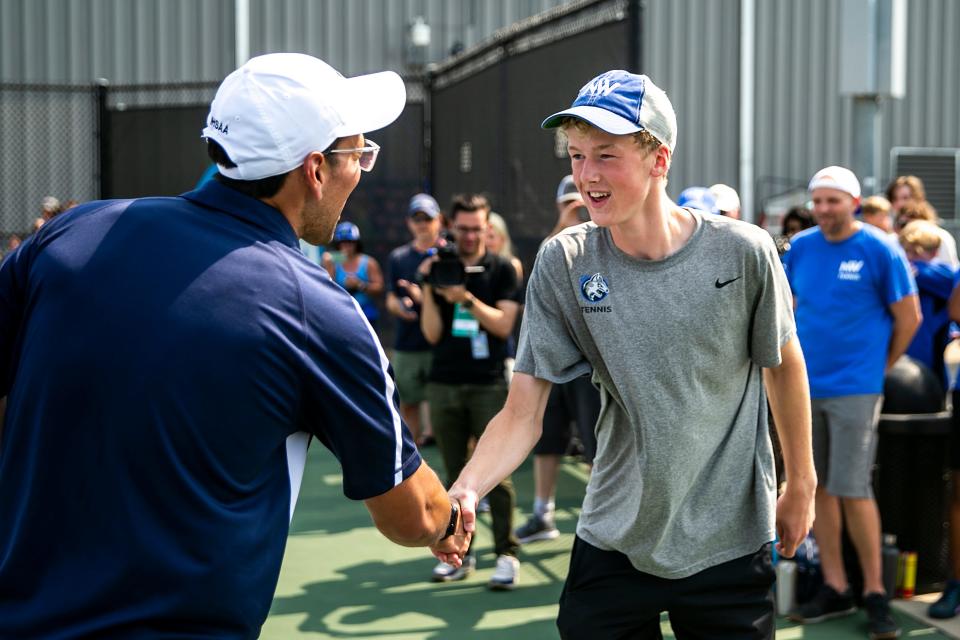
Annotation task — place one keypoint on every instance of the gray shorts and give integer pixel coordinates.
(410, 369)
(845, 443)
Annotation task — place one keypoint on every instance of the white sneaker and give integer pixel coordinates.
(444, 572)
(507, 574)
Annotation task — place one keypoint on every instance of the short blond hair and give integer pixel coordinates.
(920, 234)
(874, 205)
(644, 139)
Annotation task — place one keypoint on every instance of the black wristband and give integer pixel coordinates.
(454, 521)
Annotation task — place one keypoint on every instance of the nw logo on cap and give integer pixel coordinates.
(222, 127)
(599, 87)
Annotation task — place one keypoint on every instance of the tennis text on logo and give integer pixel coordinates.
(597, 309)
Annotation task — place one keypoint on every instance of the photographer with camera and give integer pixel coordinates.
(468, 312)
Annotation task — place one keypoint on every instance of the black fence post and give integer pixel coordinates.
(102, 161)
(426, 130)
(635, 36)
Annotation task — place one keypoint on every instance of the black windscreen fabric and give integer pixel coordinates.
(498, 111)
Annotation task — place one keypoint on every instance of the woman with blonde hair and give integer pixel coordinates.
(947, 253)
(498, 242)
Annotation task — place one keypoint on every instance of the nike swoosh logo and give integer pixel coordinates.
(721, 285)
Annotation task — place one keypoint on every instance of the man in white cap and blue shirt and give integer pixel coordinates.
(681, 507)
(151, 462)
(857, 311)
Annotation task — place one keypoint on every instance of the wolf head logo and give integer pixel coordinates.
(594, 288)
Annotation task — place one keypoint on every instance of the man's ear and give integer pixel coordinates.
(315, 167)
(661, 162)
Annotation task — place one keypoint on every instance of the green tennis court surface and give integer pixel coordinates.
(342, 579)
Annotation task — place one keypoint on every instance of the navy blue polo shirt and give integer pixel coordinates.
(166, 361)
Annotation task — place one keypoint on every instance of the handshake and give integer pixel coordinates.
(453, 545)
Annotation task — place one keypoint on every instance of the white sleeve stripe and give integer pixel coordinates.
(297, 444)
(388, 396)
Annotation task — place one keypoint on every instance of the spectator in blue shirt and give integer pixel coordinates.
(856, 311)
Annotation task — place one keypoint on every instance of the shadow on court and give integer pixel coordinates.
(342, 579)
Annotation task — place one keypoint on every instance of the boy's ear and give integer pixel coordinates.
(661, 162)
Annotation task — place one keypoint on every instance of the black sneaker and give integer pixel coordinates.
(537, 528)
(879, 622)
(825, 605)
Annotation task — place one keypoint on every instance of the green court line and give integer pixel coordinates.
(342, 580)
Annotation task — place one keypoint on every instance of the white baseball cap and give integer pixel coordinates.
(272, 112)
(620, 102)
(726, 197)
(834, 177)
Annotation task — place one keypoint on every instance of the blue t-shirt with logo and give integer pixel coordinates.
(166, 362)
(843, 292)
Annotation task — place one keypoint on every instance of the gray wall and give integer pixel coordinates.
(802, 123)
(691, 51)
(149, 41)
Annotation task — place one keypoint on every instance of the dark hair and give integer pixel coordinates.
(262, 188)
(470, 203)
(800, 214)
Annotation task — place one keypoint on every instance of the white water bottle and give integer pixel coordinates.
(786, 585)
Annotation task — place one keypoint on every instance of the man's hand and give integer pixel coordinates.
(454, 294)
(570, 214)
(414, 293)
(426, 265)
(795, 514)
(453, 549)
(468, 500)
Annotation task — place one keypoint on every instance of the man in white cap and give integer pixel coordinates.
(150, 464)
(728, 202)
(857, 310)
(680, 509)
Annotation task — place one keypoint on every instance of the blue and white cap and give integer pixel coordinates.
(346, 232)
(423, 203)
(698, 198)
(620, 102)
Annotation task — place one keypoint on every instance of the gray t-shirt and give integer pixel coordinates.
(683, 477)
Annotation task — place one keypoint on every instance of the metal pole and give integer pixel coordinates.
(747, 102)
(241, 27)
(102, 163)
(863, 152)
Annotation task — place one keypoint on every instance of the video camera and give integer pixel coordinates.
(448, 270)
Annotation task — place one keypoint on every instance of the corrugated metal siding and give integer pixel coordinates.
(361, 36)
(802, 121)
(929, 115)
(691, 51)
(125, 41)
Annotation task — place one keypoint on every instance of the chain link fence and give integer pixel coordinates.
(49, 148)
(125, 141)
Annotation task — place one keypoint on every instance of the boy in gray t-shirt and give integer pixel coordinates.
(682, 316)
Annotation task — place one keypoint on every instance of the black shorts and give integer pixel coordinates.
(605, 597)
(575, 402)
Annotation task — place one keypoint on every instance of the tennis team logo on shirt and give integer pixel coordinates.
(594, 289)
(850, 270)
